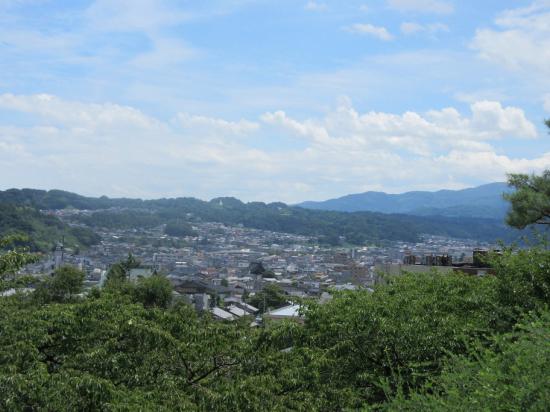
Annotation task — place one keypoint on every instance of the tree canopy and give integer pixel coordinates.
(530, 203)
(66, 282)
(271, 297)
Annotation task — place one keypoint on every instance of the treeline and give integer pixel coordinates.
(328, 227)
(43, 230)
(119, 219)
(421, 342)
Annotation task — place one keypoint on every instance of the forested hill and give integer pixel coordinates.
(43, 230)
(328, 226)
(482, 201)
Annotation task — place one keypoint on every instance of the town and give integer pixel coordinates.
(221, 265)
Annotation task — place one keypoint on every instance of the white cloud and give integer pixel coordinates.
(76, 114)
(490, 117)
(521, 41)
(209, 124)
(481, 94)
(120, 151)
(377, 31)
(424, 6)
(315, 6)
(410, 28)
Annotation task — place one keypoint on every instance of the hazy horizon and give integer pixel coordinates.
(243, 200)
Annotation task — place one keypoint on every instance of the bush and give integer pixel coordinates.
(399, 335)
(153, 291)
(66, 282)
(512, 375)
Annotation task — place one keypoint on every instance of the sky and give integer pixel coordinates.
(271, 100)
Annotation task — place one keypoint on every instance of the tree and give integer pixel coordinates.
(13, 258)
(512, 375)
(153, 291)
(118, 273)
(179, 229)
(530, 203)
(66, 282)
(256, 268)
(370, 344)
(271, 297)
(524, 278)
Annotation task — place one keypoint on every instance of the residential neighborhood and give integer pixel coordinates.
(222, 267)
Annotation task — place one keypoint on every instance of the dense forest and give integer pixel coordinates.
(43, 230)
(329, 227)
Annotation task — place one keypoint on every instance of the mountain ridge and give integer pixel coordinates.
(331, 227)
(483, 201)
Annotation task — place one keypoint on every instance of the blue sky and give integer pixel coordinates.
(271, 99)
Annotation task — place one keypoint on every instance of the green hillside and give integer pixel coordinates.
(44, 230)
(331, 227)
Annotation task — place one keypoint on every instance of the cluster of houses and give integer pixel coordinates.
(214, 269)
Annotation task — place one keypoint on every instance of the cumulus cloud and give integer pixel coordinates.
(520, 41)
(377, 31)
(345, 126)
(104, 148)
(491, 118)
(424, 6)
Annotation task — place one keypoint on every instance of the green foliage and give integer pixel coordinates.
(524, 279)
(43, 229)
(256, 268)
(120, 219)
(530, 203)
(118, 273)
(13, 258)
(271, 297)
(154, 291)
(66, 282)
(106, 353)
(328, 226)
(179, 229)
(511, 375)
(398, 335)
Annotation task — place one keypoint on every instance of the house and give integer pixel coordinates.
(248, 308)
(291, 312)
(221, 314)
(236, 311)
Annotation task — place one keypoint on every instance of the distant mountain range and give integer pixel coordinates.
(483, 202)
(453, 214)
